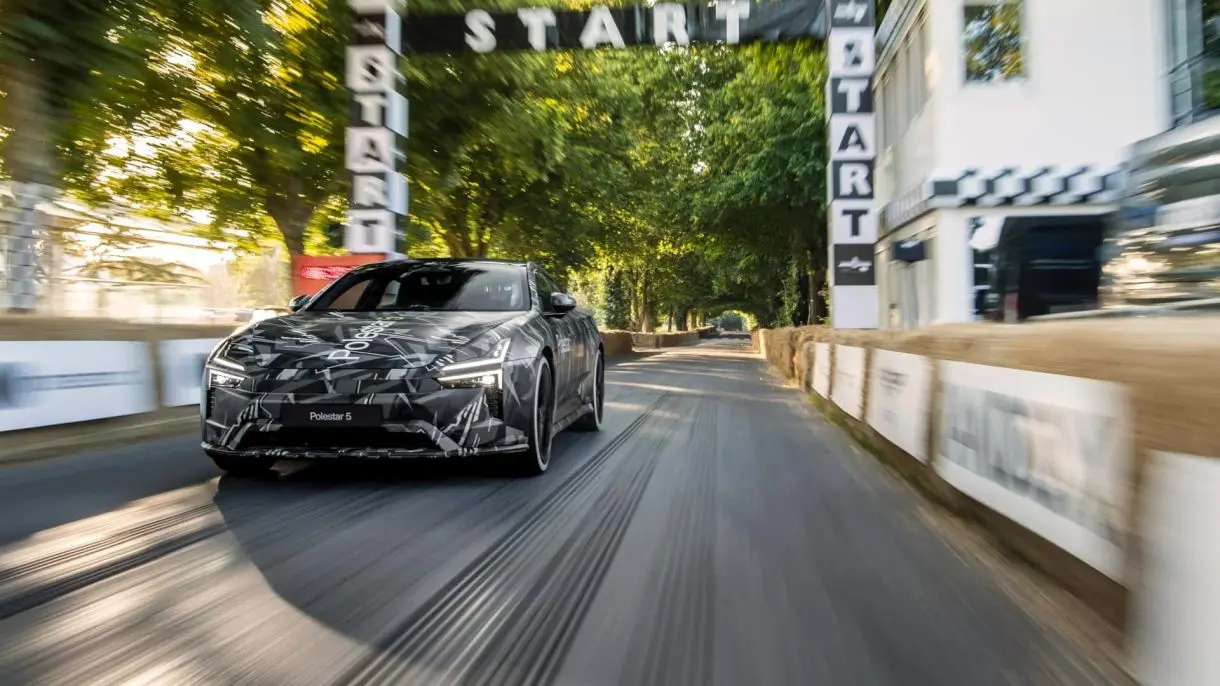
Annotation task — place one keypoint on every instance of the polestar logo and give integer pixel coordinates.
(852, 11)
(358, 342)
(855, 264)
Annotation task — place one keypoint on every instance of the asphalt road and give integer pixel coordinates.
(715, 532)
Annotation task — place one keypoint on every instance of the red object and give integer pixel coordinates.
(310, 273)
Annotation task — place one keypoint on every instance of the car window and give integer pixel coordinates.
(428, 286)
(545, 288)
(350, 297)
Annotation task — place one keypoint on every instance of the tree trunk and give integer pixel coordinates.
(30, 162)
(646, 322)
(811, 279)
(291, 216)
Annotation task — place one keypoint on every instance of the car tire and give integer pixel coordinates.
(593, 420)
(537, 459)
(243, 466)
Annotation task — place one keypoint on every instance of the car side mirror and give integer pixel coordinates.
(562, 303)
(298, 302)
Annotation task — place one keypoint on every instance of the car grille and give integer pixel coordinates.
(322, 439)
(495, 402)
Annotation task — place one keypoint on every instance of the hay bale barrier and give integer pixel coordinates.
(664, 340)
(1046, 434)
(616, 343)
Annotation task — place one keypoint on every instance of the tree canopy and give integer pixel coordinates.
(662, 185)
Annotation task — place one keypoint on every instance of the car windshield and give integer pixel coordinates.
(428, 286)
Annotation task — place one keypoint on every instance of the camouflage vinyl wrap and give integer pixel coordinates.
(395, 372)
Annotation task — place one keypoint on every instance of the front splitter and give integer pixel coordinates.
(362, 453)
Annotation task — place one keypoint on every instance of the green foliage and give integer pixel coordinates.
(660, 184)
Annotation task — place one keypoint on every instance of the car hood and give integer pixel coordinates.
(362, 340)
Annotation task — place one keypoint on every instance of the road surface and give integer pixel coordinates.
(716, 532)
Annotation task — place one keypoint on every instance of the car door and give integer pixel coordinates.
(563, 327)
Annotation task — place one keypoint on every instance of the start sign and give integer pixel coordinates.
(383, 34)
(544, 28)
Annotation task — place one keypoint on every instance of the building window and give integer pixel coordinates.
(992, 41)
(1194, 58)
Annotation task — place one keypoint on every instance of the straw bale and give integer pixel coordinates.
(616, 343)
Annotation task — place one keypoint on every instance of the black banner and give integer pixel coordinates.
(853, 264)
(537, 28)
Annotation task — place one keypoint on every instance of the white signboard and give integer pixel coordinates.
(1178, 599)
(851, 125)
(899, 397)
(182, 370)
(43, 383)
(849, 379)
(1052, 453)
(821, 369)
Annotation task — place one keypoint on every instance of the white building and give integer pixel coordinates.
(995, 108)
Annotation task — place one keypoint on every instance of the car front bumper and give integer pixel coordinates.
(438, 424)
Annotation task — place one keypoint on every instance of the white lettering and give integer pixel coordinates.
(370, 68)
(852, 139)
(371, 6)
(600, 28)
(536, 20)
(481, 37)
(369, 231)
(732, 13)
(669, 19)
(370, 150)
(854, 180)
(854, 90)
(370, 191)
(372, 108)
(852, 11)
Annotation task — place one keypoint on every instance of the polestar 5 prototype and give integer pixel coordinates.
(408, 359)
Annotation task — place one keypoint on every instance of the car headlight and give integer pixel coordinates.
(485, 372)
(222, 372)
(222, 379)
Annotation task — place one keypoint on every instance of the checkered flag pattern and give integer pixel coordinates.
(1008, 186)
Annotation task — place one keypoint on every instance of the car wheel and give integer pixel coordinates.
(536, 460)
(593, 420)
(243, 466)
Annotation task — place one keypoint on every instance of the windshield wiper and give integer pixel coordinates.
(413, 308)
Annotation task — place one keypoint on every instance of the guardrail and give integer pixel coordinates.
(1190, 307)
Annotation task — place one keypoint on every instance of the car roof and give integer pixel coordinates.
(446, 260)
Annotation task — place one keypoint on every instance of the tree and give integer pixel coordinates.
(251, 127)
(51, 52)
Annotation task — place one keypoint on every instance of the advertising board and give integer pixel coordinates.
(848, 391)
(1050, 452)
(899, 399)
(821, 369)
(43, 383)
(182, 369)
